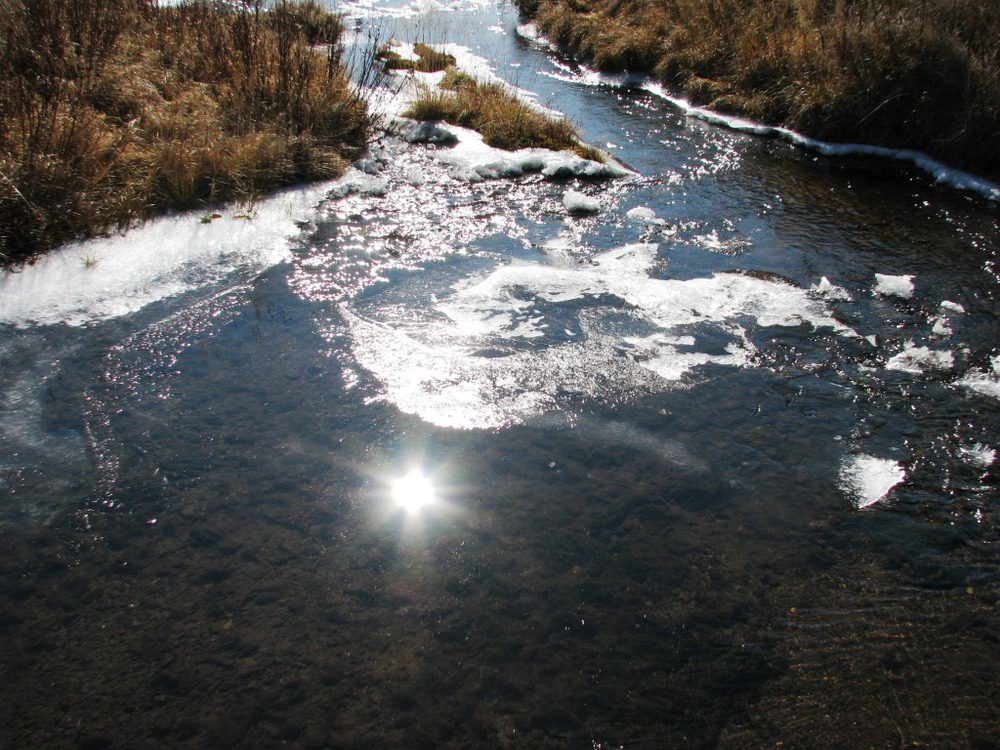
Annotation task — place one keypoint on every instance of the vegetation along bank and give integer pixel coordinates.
(502, 119)
(112, 110)
(916, 74)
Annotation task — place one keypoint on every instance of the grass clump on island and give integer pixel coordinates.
(112, 110)
(428, 60)
(919, 74)
(502, 119)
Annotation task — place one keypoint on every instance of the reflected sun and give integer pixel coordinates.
(413, 492)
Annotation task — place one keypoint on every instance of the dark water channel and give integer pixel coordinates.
(710, 466)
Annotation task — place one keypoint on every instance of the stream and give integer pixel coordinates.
(476, 449)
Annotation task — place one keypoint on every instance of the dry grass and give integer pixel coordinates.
(503, 120)
(429, 60)
(922, 74)
(111, 110)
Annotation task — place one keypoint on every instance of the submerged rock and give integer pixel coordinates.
(413, 131)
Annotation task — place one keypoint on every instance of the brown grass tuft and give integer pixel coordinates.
(428, 59)
(503, 120)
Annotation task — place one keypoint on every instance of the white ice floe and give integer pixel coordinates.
(110, 277)
(940, 326)
(984, 382)
(829, 291)
(471, 364)
(918, 359)
(866, 479)
(941, 323)
(580, 203)
(894, 286)
(644, 215)
(978, 455)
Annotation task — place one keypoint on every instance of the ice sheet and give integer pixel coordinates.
(110, 277)
(495, 351)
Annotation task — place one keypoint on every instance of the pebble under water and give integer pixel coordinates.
(480, 450)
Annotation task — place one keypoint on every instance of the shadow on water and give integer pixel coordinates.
(625, 578)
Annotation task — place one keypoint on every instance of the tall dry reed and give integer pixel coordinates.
(111, 110)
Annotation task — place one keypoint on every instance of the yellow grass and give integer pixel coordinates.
(922, 74)
(111, 110)
(428, 59)
(503, 120)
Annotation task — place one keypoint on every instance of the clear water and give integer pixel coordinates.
(414, 460)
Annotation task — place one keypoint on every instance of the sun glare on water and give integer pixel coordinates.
(413, 492)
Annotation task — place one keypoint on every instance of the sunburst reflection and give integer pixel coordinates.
(414, 492)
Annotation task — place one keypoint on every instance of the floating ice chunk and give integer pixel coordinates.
(952, 307)
(942, 326)
(918, 359)
(580, 203)
(978, 455)
(830, 291)
(643, 214)
(985, 382)
(866, 479)
(894, 286)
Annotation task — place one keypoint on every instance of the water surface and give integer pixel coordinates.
(424, 458)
